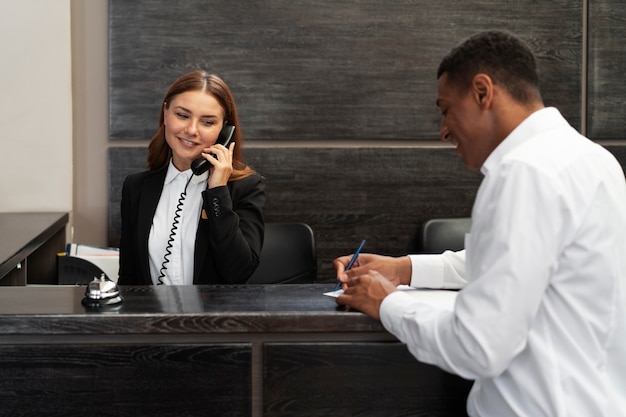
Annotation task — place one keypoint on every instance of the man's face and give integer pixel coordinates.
(465, 123)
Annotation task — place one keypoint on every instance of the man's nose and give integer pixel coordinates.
(444, 133)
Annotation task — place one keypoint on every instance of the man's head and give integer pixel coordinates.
(505, 58)
(487, 85)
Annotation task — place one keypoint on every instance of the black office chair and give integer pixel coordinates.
(438, 235)
(288, 255)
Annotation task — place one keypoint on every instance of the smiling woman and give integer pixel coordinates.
(187, 129)
(179, 228)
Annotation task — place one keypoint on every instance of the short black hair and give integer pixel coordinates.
(503, 56)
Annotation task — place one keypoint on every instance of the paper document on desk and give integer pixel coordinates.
(74, 249)
(440, 299)
(105, 258)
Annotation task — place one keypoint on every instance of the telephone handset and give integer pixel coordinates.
(200, 165)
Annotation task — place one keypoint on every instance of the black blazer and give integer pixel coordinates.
(228, 241)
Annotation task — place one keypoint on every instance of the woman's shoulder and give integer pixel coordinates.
(254, 180)
(139, 177)
(247, 187)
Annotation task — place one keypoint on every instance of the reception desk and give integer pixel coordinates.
(256, 350)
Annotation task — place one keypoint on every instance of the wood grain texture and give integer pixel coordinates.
(181, 351)
(325, 69)
(174, 311)
(357, 380)
(344, 194)
(607, 65)
(125, 380)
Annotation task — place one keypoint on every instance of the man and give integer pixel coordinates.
(540, 323)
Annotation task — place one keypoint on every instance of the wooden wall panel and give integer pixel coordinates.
(345, 194)
(606, 117)
(335, 379)
(325, 69)
(67, 380)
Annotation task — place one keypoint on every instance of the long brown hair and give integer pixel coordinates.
(160, 153)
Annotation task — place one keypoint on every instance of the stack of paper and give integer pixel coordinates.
(107, 259)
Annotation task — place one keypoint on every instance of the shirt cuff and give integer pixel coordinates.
(392, 310)
(426, 271)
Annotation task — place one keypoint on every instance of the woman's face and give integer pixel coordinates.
(193, 121)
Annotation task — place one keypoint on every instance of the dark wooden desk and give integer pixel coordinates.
(28, 247)
(276, 350)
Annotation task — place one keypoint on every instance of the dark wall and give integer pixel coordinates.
(335, 73)
(344, 194)
(325, 69)
(606, 103)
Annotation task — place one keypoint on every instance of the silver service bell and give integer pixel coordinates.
(102, 292)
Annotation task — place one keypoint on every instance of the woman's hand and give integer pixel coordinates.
(221, 165)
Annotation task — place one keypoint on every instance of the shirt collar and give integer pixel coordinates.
(173, 173)
(538, 121)
(197, 179)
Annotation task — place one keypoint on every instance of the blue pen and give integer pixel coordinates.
(352, 261)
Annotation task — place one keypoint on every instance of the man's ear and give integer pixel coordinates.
(482, 89)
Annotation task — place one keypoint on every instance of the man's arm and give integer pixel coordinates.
(444, 271)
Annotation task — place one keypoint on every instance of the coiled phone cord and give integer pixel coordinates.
(170, 241)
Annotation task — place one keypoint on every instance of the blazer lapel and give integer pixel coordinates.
(153, 187)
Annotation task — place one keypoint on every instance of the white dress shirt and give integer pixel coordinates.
(179, 268)
(541, 324)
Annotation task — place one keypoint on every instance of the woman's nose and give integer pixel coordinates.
(191, 128)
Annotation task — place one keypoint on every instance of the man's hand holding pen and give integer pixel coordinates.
(366, 293)
(346, 267)
(396, 270)
(369, 280)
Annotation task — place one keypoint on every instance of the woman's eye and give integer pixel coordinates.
(182, 115)
(208, 123)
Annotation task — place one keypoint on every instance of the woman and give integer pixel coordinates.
(179, 228)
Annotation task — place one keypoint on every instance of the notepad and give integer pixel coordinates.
(334, 294)
(337, 293)
(440, 299)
